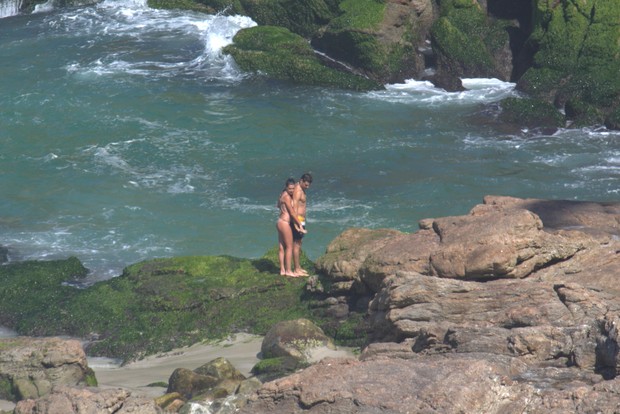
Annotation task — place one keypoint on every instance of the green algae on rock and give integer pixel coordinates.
(283, 55)
(576, 54)
(304, 17)
(35, 294)
(182, 5)
(528, 112)
(468, 43)
(155, 305)
(376, 38)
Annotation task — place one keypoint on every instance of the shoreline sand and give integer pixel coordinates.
(242, 350)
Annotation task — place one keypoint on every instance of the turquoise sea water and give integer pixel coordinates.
(127, 135)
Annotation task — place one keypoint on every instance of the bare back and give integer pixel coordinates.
(284, 214)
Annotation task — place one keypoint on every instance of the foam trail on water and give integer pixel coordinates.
(477, 90)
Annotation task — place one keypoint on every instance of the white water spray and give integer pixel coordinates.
(9, 7)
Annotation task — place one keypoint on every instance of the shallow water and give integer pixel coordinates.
(127, 135)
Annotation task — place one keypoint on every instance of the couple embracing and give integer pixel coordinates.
(291, 225)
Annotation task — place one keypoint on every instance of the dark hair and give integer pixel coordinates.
(306, 177)
(289, 182)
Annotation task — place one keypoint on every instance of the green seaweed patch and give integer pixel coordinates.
(465, 36)
(613, 119)
(269, 369)
(583, 114)
(167, 303)
(154, 306)
(351, 332)
(34, 294)
(6, 389)
(359, 15)
(530, 112)
(577, 41)
(90, 378)
(541, 82)
(283, 55)
(181, 5)
(304, 17)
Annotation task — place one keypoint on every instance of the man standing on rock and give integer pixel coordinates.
(299, 203)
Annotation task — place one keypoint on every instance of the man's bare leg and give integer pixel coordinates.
(296, 254)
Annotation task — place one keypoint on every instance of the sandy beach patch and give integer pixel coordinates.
(241, 350)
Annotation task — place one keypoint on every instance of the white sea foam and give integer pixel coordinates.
(46, 7)
(103, 362)
(6, 332)
(339, 204)
(9, 7)
(244, 205)
(186, 42)
(478, 90)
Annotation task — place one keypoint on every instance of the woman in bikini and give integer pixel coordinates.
(285, 233)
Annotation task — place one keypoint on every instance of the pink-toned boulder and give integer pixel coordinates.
(30, 367)
(67, 400)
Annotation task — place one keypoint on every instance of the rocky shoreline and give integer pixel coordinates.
(511, 308)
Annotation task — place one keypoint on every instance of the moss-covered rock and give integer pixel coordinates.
(269, 369)
(577, 54)
(35, 294)
(171, 302)
(304, 17)
(283, 55)
(583, 114)
(530, 113)
(469, 44)
(613, 119)
(194, 5)
(377, 38)
(153, 306)
(220, 368)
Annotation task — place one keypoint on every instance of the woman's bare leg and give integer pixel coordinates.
(281, 255)
(285, 236)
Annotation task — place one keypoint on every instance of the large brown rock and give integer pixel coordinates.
(503, 238)
(67, 400)
(216, 379)
(220, 368)
(189, 383)
(512, 308)
(30, 367)
(448, 383)
(345, 255)
(294, 339)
